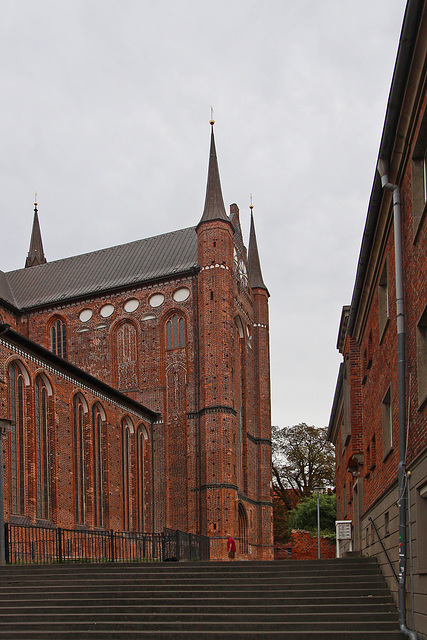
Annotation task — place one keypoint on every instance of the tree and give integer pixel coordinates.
(302, 460)
(304, 516)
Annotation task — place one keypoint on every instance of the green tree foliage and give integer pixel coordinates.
(302, 460)
(304, 516)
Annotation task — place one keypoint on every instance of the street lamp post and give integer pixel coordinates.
(318, 491)
(5, 426)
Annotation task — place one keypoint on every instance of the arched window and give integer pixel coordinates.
(175, 332)
(98, 466)
(79, 410)
(17, 470)
(127, 356)
(140, 446)
(126, 475)
(59, 338)
(243, 529)
(42, 449)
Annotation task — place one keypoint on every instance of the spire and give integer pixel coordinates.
(254, 266)
(214, 203)
(36, 253)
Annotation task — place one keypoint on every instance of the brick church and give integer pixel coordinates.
(137, 380)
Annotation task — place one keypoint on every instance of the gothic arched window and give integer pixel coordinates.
(17, 470)
(58, 334)
(175, 332)
(98, 466)
(140, 446)
(127, 356)
(42, 449)
(79, 411)
(126, 475)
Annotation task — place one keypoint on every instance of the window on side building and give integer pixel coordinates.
(422, 358)
(387, 423)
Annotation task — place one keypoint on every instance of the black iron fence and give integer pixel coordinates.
(30, 544)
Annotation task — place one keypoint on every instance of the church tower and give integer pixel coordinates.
(217, 407)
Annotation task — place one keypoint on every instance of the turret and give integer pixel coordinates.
(35, 254)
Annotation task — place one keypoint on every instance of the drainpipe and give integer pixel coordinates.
(401, 340)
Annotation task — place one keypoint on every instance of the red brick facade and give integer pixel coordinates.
(192, 346)
(364, 423)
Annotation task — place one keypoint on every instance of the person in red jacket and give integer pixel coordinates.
(231, 547)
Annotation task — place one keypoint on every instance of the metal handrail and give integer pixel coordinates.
(384, 549)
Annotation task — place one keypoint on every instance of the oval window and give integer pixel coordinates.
(181, 294)
(156, 300)
(85, 315)
(148, 316)
(107, 310)
(131, 305)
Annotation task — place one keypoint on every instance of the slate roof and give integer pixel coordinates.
(108, 269)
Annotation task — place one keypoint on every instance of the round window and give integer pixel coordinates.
(107, 310)
(156, 300)
(131, 305)
(85, 315)
(181, 294)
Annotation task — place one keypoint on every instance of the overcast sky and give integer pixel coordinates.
(105, 113)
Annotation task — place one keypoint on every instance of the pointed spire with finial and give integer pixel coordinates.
(254, 266)
(35, 254)
(214, 204)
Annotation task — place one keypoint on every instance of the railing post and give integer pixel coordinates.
(59, 536)
(6, 543)
(112, 554)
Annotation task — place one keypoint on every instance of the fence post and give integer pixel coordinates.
(112, 554)
(6, 543)
(59, 537)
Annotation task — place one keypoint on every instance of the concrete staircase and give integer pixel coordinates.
(287, 600)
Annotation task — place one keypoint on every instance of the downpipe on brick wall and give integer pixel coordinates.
(401, 357)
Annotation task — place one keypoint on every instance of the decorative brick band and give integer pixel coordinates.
(215, 266)
(219, 485)
(216, 408)
(258, 440)
(259, 503)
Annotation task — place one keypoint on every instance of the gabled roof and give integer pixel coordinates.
(105, 270)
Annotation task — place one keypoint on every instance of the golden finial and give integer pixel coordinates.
(35, 197)
(212, 121)
(251, 206)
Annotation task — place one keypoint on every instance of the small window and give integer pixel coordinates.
(59, 339)
(422, 358)
(175, 333)
(421, 520)
(419, 178)
(387, 423)
(383, 300)
(387, 523)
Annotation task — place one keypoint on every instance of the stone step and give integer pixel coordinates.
(201, 626)
(103, 615)
(66, 634)
(130, 607)
(314, 600)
